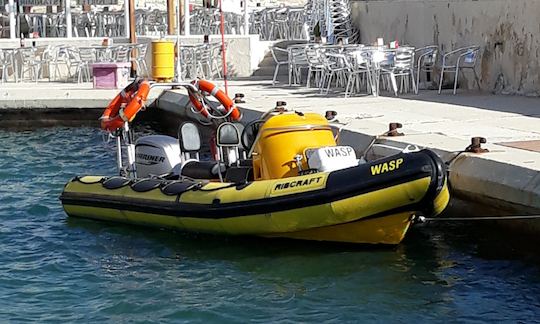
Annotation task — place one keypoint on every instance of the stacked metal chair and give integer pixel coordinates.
(339, 17)
(315, 14)
(278, 23)
(334, 19)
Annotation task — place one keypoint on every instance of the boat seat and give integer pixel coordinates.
(115, 182)
(228, 143)
(202, 169)
(245, 163)
(179, 187)
(239, 174)
(145, 185)
(189, 140)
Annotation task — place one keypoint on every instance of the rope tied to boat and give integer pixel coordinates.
(423, 219)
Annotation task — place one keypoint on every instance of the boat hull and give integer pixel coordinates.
(358, 205)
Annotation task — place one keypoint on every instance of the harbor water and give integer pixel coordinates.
(57, 269)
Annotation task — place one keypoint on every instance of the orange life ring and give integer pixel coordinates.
(212, 89)
(133, 96)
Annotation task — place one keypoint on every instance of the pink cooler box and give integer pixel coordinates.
(112, 75)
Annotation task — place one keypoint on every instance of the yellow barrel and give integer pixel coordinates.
(282, 137)
(163, 60)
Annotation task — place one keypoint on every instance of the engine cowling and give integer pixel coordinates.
(156, 155)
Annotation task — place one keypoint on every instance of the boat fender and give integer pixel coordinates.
(209, 87)
(437, 183)
(115, 182)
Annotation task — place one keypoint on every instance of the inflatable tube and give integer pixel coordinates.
(370, 203)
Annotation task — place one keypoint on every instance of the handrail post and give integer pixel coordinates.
(67, 10)
(186, 18)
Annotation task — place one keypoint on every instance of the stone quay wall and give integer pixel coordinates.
(508, 33)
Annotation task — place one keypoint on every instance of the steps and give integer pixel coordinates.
(267, 66)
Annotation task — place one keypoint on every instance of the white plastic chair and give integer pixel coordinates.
(459, 59)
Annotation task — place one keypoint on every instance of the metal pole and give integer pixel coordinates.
(246, 18)
(178, 56)
(132, 35)
(223, 54)
(127, 18)
(186, 18)
(170, 17)
(12, 22)
(119, 154)
(67, 11)
(128, 140)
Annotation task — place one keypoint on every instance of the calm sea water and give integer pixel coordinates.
(55, 269)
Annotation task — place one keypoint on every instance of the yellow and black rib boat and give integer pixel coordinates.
(295, 182)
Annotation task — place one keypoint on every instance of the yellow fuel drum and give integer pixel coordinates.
(285, 136)
(163, 60)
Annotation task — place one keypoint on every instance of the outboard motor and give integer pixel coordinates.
(156, 155)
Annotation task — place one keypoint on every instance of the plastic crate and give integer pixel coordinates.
(113, 75)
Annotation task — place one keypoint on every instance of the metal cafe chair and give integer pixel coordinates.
(75, 60)
(4, 64)
(404, 68)
(358, 63)
(120, 53)
(7, 63)
(459, 59)
(316, 65)
(297, 62)
(29, 63)
(87, 56)
(140, 58)
(278, 54)
(45, 59)
(425, 60)
(335, 66)
(397, 63)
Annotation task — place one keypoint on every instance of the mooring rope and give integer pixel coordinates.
(479, 218)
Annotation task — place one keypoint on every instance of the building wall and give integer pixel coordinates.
(508, 32)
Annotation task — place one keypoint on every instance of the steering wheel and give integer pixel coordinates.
(249, 134)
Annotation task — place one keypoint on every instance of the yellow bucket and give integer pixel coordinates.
(163, 60)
